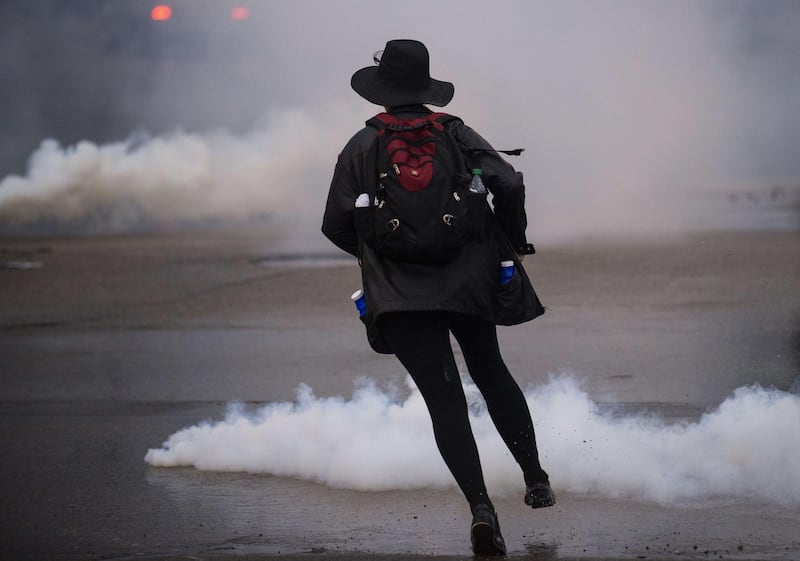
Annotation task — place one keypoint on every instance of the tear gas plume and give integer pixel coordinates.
(272, 172)
(636, 117)
(748, 447)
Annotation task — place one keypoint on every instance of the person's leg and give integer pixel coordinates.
(504, 399)
(421, 341)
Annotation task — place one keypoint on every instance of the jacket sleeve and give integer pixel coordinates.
(337, 222)
(355, 166)
(503, 181)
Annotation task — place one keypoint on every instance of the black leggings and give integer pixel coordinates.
(421, 341)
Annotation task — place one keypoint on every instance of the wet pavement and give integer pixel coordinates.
(116, 344)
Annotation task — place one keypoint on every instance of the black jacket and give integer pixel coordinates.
(470, 282)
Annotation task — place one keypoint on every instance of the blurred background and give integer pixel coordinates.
(638, 118)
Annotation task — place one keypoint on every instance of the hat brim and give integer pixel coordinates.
(369, 85)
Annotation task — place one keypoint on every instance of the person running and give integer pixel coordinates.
(416, 306)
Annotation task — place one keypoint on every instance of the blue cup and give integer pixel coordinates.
(360, 301)
(506, 271)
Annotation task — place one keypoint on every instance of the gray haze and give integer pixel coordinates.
(636, 116)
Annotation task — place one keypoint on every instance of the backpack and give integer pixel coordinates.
(418, 208)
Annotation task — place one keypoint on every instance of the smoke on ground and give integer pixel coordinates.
(748, 447)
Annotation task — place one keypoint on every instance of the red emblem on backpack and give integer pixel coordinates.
(411, 146)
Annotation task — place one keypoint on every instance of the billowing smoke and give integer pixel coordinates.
(748, 447)
(273, 172)
(636, 116)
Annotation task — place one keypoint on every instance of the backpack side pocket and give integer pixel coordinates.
(364, 221)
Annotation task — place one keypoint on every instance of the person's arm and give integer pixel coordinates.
(337, 223)
(504, 182)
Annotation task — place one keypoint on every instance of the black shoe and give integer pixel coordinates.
(539, 495)
(485, 532)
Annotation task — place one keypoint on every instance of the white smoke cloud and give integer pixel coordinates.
(628, 110)
(747, 447)
(271, 170)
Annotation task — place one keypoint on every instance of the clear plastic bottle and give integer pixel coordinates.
(477, 186)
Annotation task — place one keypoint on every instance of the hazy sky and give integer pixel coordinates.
(627, 109)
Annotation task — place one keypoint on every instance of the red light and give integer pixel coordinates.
(161, 12)
(240, 13)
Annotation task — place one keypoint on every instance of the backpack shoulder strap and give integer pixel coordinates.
(379, 121)
(445, 118)
(472, 149)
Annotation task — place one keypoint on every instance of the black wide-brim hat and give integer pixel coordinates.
(402, 77)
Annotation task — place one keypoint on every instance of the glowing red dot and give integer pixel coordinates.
(162, 12)
(240, 13)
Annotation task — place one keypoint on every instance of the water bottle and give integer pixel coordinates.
(360, 301)
(506, 271)
(477, 186)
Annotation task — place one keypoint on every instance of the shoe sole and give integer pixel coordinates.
(538, 503)
(483, 540)
(541, 502)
